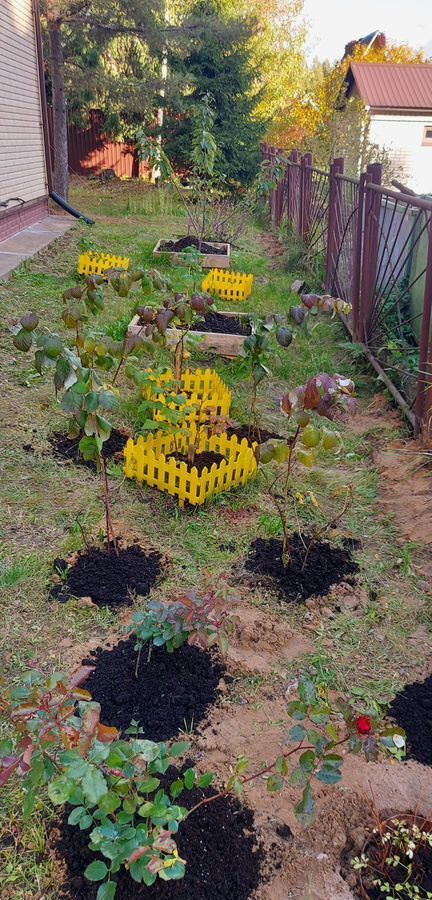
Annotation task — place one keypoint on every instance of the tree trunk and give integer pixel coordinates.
(59, 102)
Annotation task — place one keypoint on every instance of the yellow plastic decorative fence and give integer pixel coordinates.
(229, 285)
(204, 393)
(149, 460)
(98, 263)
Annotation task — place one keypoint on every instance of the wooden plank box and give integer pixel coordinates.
(209, 260)
(227, 345)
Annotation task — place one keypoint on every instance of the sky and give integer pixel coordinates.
(333, 23)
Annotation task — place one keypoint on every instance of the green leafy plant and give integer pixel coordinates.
(322, 397)
(314, 305)
(179, 312)
(394, 860)
(200, 620)
(203, 179)
(255, 357)
(79, 374)
(115, 785)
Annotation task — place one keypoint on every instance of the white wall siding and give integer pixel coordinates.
(22, 155)
(402, 136)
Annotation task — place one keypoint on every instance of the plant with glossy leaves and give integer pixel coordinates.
(322, 397)
(316, 305)
(198, 619)
(179, 312)
(113, 784)
(79, 375)
(255, 358)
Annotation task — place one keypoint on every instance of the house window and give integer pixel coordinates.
(427, 136)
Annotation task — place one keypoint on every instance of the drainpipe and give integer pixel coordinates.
(45, 122)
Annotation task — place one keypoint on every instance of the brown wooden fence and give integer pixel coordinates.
(91, 151)
(375, 244)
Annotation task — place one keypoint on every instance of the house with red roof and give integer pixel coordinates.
(398, 98)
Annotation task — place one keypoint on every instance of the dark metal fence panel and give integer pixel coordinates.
(377, 244)
(91, 151)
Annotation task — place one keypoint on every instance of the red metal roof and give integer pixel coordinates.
(394, 85)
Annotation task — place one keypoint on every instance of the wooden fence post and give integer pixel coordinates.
(424, 383)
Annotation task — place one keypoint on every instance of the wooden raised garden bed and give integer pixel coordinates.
(228, 345)
(208, 260)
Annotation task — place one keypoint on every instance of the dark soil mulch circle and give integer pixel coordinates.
(252, 435)
(68, 448)
(421, 873)
(190, 241)
(326, 565)
(412, 710)
(224, 858)
(217, 323)
(173, 691)
(108, 578)
(201, 461)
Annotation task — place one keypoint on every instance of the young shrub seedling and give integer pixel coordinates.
(322, 397)
(203, 180)
(200, 620)
(396, 860)
(85, 396)
(255, 359)
(179, 312)
(313, 306)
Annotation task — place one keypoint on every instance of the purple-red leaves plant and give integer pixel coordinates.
(323, 396)
(180, 313)
(314, 304)
(198, 619)
(329, 396)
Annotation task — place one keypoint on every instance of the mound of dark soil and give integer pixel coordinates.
(412, 710)
(190, 241)
(217, 323)
(252, 435)
(108, 578)
(201, 461)
(223, 856)
(68, 448)
(325, 566)
(173, 690)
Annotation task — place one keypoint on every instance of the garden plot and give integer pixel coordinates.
(234, 688)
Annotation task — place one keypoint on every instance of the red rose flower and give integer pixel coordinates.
(363, 724)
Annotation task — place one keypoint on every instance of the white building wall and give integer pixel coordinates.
(22, 154)
(402, 136)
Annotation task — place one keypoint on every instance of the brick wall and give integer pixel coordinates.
(18, 217)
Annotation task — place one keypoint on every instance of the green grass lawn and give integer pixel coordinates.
(45, 503)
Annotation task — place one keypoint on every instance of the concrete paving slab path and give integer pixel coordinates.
(23, 245)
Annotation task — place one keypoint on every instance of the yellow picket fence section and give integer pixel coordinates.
(229, 285)
(148, 459)
(98, 263)
(204, 393)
